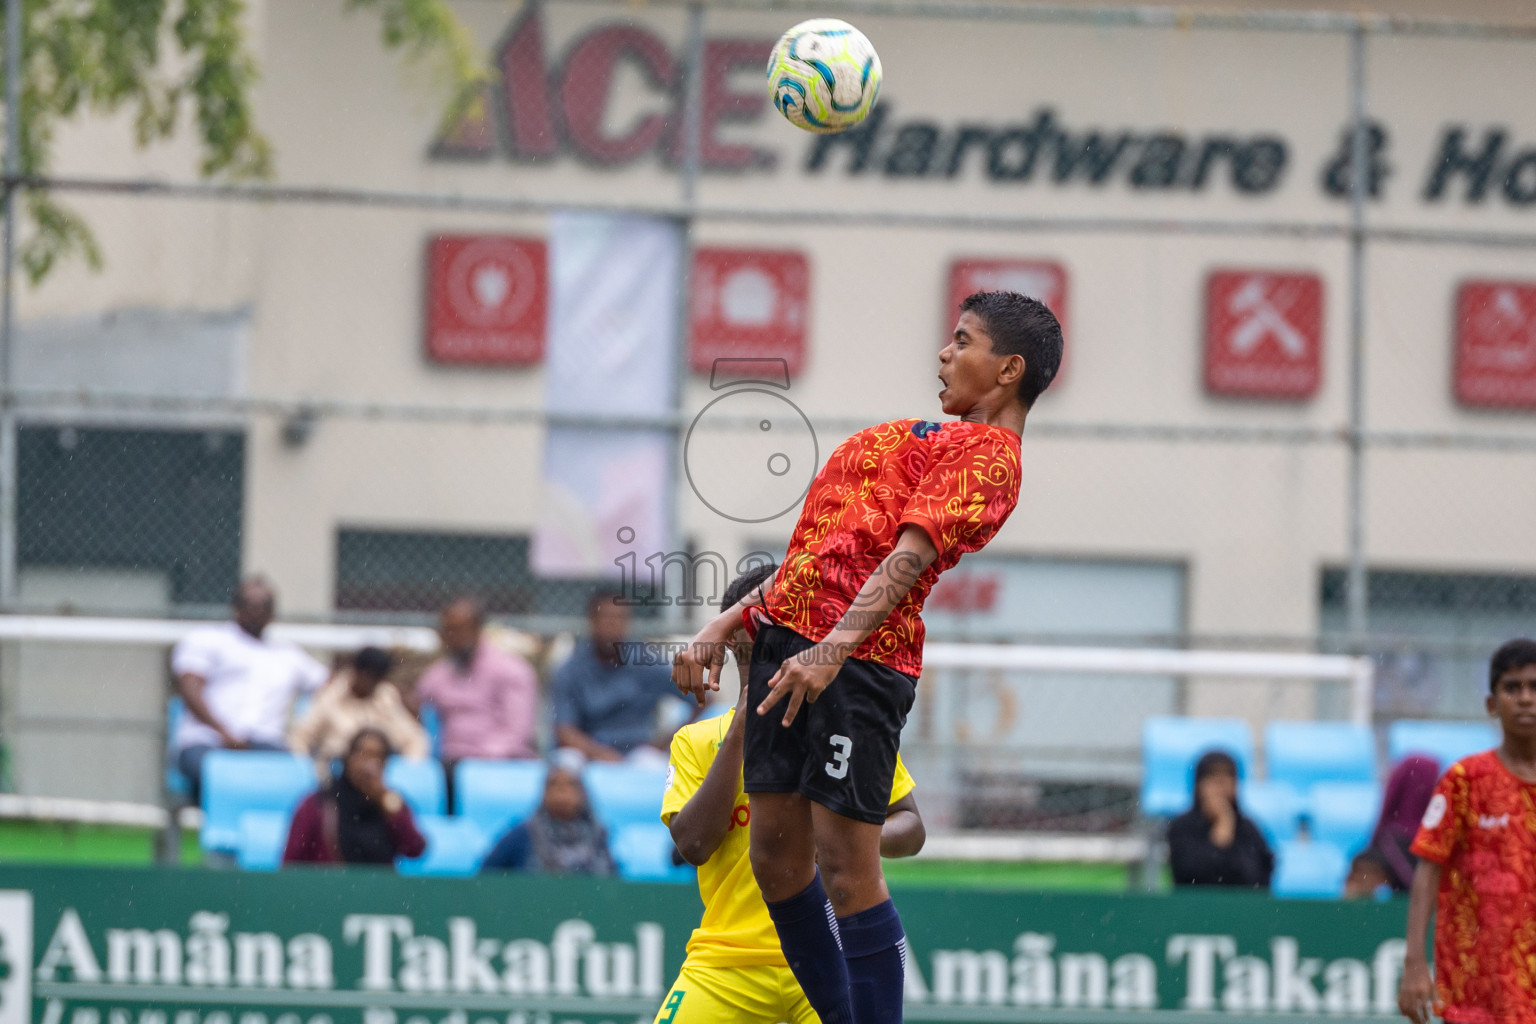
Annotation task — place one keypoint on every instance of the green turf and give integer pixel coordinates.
(34, 842)
(38, 842)
(951, 874)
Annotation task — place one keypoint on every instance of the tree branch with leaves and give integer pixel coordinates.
(157, 59)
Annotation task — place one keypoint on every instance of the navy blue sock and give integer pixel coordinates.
(808, 935)
(874, 947)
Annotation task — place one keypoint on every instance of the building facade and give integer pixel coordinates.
(1181, 193)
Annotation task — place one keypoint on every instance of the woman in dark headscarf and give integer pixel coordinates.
(1409, 788)
(561, 838)
(1212, 843)
(356, 818)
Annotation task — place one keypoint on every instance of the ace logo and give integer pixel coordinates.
(15, 957)
(1496, 344)
(486, 300)
(1263, 334)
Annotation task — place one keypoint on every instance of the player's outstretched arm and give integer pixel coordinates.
(1416, 990)
(903, 833)
(700, 827)
(803, 677)
(697, 667)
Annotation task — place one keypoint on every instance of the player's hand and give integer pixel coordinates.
(697, 667)
(801, 679)
(1416, 991)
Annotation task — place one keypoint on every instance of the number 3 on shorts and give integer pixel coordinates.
(842, 750)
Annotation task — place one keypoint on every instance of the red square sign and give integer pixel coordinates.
(748, 303)
(1040, 279)
(486, 300)
(1263, 334)
(1496, 344)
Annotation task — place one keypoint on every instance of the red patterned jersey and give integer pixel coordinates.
(1481, 828)
(956, 481)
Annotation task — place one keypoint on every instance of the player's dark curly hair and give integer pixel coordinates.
(1514, 654)
(748, 581)
(1022, 326)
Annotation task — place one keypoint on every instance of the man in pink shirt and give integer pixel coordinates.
(486, 698)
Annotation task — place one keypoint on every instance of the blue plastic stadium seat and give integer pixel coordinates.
(237, 781)
(263, 836)
(1309, 870)
(455, 848)
(1171, 745)
(432, 722)
(496, 795)
(420, 783)
(625, 794)
(1306, 753)
(1446, 742)
(643, 851)
(175, 782)
(1275, 807)
(1344, 813)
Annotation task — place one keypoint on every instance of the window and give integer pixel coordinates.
(1432, 634)
(399, 571)
(167, 500)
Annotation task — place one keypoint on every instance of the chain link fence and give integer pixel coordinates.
(1238, 329)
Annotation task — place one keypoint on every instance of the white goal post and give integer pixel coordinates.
(1358, 672)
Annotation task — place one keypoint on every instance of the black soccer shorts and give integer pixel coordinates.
(839, 752)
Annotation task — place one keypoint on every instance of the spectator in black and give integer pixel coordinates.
(1408, 791)
(1212, 843)
(356, 818)
(561, 838)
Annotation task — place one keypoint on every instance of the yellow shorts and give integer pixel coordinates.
(736, 995)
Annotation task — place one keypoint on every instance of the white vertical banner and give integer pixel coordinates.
(16, 956)
(612, 351)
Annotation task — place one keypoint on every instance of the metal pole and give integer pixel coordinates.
(1355, 588)
(13, 29)
(688, 181)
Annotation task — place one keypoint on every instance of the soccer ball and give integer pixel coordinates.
(824, 75)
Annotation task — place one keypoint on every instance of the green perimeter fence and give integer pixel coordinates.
(155, 946)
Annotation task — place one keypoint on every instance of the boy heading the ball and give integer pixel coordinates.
(735, 969)
(839, 636)
(1477, 870)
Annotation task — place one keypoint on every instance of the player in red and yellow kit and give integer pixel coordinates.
(839, 636)
(735, 972)
(1477, 854)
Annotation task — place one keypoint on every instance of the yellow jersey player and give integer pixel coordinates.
(735, 972)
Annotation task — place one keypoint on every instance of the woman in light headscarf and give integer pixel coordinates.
(561, 838)
(1409, 788)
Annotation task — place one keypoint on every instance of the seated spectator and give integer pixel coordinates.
(1368, 877)
(1409, 788)
(486, 698)
(239, 687)
(561, 838)
(356, 818)
(1212, 843)
(359, 697)
(606, 704)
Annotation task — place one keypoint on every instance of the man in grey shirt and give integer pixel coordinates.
(606, 703)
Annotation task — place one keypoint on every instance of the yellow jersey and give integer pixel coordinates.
(736, 930)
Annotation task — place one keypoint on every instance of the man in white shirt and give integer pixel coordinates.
(238, 687)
